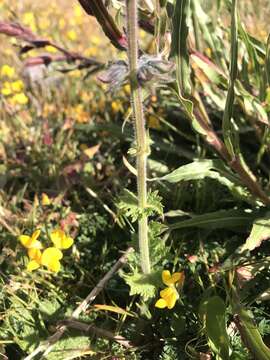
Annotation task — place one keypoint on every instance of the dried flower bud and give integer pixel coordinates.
(151, 69)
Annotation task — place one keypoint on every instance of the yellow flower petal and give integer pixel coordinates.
(68, 242)
(166, 293)
(177, 277)
(166, 277)
(170, 295)
(172, 300)
(50, 258)
(35, 235)
(169, 279)
(54, 266)
(20, 98)
(161, 304)
(60, 240)
(51, 253)
(7, 71)
(34, 254)
(30, 241)
(45, 200)
(32, 265)
(25, 240)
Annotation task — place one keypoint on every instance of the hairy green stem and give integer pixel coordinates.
(141, 136)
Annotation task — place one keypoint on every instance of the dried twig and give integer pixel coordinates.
(47, 346)
(34, 41)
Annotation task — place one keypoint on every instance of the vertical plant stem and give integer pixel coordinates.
(141, 136)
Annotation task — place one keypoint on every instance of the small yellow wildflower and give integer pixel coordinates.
(31, 242)
(7, 71)
(35, 262)
(50, 258)
(78, 11)
(116, 106)
(127, 89)
(71, 34)
(168, 298)
(17, 86)
(6, 91)
(175, 278)
(45, 200)
(51, 49)
(20, 99)
(169, 295)
(60, 240)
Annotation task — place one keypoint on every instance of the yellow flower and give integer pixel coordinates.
(60, 240)
(7, 71)
(35, 256)
(20, 99)
(29, 20)
(50, 258)
(51, 49)
(169, 295)
(45, 200)
(31, 242)
(6, 91)
(71, 34)
(175, 278)
(168, 298)
(116, 106)
(17, 86)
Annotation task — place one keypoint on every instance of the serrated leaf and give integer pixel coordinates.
(260, 231)
(154, 204)
(213, 311)
(128, 205)
(144, 285)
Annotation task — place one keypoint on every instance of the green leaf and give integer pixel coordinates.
(128, 205)
(144, 285)
(154, 204)
(196, 170)
(179, 45)
(70, 347)
(267, 61)
(223, 219)
(214, 74)
(249, 331)
(260, 231)
(229, 132)
(213, 311)
(214, 169)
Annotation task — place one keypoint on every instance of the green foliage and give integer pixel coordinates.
(143, 285)
(213, 312)
(260, 231)
(128, 205)
(208, 181)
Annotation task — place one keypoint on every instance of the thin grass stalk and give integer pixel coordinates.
(140, 131)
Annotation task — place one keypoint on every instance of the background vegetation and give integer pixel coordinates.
(67, 162)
